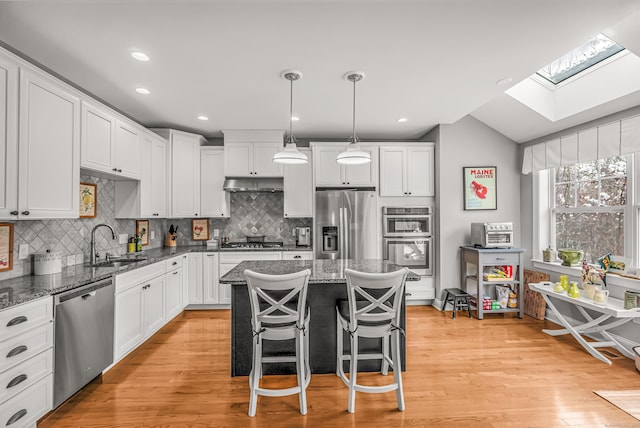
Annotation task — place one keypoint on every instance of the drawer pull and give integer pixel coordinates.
(175, 273)
(17, 350)
(174, 263)
(17, 320)
(16, 417)
(17, 380)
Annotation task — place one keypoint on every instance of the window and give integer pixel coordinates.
(589, 208)
(595, 50)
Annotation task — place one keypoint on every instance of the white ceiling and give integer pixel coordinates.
(432, 61)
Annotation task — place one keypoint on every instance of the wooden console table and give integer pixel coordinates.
(487, 257)
(613, 309)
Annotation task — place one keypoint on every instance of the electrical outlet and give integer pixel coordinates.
(216, 233)
(23, 253)
(123, 238)
(71, 260)
(153, 235)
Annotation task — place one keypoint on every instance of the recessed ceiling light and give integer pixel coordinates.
(203, 118)
(504, 81)
(295, 118)
(402, 120)
(143, 91)
(140, 56)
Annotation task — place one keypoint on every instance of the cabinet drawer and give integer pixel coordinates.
(500, 259)
(20, 348)
(22, 376)
(237, 257)
(297, 255)
(132, 278)
(25, 408)
(173, 264)
(23, 317)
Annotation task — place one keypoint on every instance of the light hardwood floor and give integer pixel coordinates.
(498, 372)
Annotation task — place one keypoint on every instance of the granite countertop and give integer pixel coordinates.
(322, 271)
(25, 288)
(283, 248)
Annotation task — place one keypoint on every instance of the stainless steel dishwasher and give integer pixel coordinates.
(83, 346)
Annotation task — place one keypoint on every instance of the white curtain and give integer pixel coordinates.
(612, 139)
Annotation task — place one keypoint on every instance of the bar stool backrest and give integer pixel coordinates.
(277, 299)
(375, 298)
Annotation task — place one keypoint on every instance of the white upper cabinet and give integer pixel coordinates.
(330, 173)
(146, 198)
(8, 138)
(214, 201)
(249, 153)
(298, 188)
(108, 144)
(407, 170)
(184, 172)
(127, 152)
(49, 148)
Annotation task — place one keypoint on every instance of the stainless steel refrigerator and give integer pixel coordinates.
(345, 224)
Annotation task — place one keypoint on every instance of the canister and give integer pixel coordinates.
(47, 263)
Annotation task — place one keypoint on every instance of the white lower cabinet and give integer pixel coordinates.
(423, 289)
(230, 260)
(173, 288)
(139, 307)
(204, 284)
(194, 278)
(297, 255)
(26, 365)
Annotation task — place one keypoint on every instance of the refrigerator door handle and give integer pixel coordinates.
(347, 231)
(340, 234)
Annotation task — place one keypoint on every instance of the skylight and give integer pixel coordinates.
(595, 50)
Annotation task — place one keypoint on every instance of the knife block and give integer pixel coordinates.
(170, 240)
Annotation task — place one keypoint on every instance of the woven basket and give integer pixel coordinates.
(534, 304)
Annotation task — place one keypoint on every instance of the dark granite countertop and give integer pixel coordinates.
(30, 287)
(322, 271)
(284, 248)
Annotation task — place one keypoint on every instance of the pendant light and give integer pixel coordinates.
(290, 155)
(353, 155)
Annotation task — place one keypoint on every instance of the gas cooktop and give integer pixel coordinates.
(274, 245)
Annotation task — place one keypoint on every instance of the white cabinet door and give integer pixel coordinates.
(49, 148)
(298, 188)
(263, 164)
(129, 330)
(8, 139)
(214, 201)
(194, 267)
(153, 305)
(225, 294)
(420, 170)
(126, 151)
(173, 293)
(238, 159)
(98, 138)
(185, 175)
(211, 278)
(328, 172)
(392, 171)
(363, 175)
(158, 179)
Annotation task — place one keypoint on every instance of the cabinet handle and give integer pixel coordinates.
(499, 258)
(14, 213)
(196, 214)
(210, 255)
(115, 169)
(16, 417)
(17, 320)
(119, 170)
(17, 350)
(25, 213)
(17, 380)
(175, 273)
(297, 257)
(407, 294)
(174, 263)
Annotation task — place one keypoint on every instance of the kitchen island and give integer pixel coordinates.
(327, 285)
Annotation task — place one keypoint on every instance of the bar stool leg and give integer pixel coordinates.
(397, 369)
(301, 371)
(385, 354)
(353, 369)
(339, 346)
(254, 376)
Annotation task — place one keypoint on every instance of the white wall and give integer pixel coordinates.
(469, 142)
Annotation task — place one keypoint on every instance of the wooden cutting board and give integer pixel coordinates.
(534, 304)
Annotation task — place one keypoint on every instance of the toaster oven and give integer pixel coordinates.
(492, 235)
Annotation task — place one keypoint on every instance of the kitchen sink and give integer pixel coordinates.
(117, 262)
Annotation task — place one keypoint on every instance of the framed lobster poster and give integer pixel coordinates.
(479, 187)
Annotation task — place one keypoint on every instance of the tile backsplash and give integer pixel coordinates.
(251, 214)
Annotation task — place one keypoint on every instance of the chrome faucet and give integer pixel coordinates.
(93, 254)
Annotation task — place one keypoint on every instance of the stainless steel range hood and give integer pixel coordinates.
(244, 184)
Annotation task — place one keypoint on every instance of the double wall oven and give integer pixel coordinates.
(406, 238)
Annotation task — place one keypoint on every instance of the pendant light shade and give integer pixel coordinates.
(290, 155)
(354, 155)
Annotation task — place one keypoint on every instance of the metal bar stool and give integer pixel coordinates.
(279, 312)
(459, 299)
(372, 310)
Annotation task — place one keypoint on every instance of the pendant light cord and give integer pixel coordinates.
(291, 112)
(354, 138)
